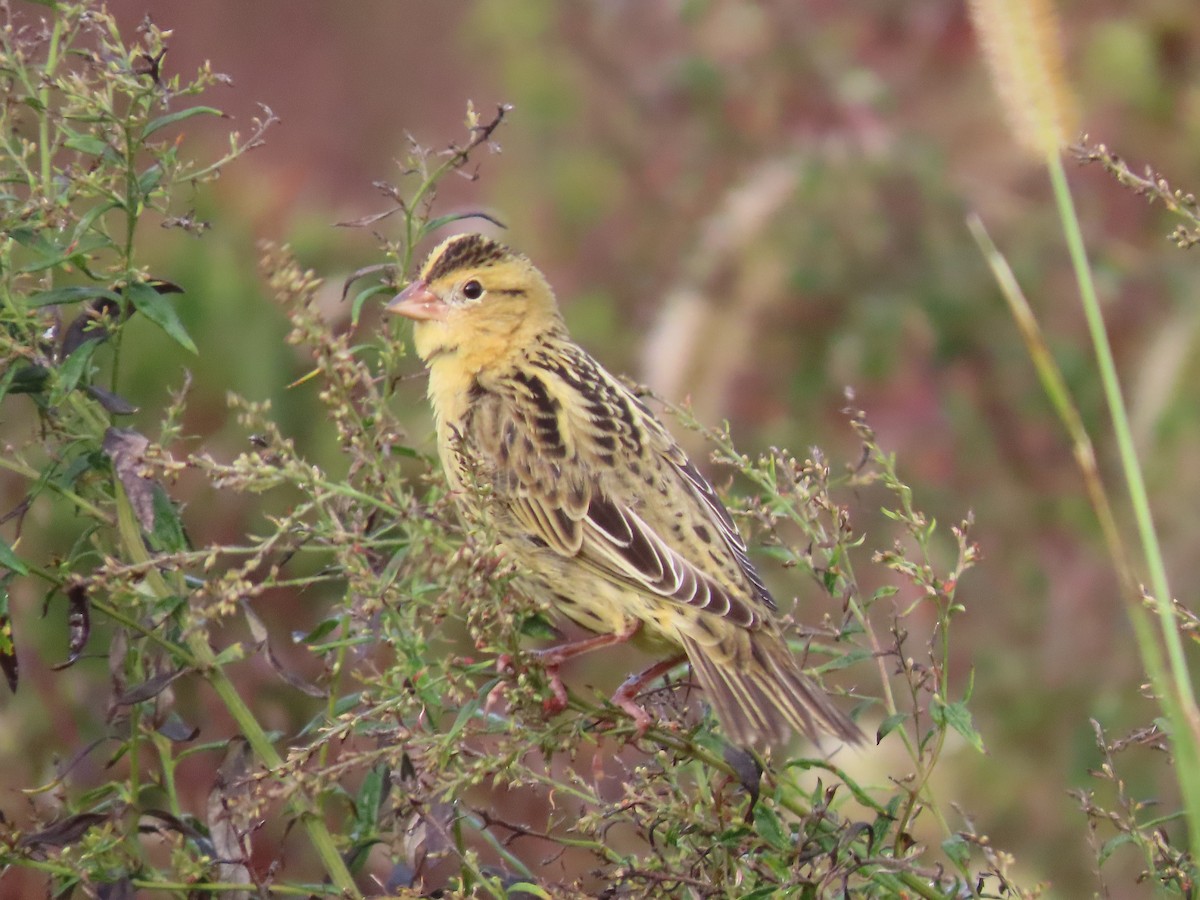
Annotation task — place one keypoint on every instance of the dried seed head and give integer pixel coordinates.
(1023, 49)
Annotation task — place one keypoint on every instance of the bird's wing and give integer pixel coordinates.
(585, 469)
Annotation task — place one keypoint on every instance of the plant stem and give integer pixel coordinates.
(202, 653)
(1179, 703)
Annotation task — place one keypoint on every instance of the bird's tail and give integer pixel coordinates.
(759, 693)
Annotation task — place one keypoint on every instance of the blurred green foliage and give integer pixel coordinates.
(642, 137)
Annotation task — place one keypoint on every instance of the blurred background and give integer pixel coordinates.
(754, 205)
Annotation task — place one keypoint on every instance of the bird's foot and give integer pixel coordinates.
(557, 701)
(553, 704)
(641, 719)
(552, 658)
(625, 697)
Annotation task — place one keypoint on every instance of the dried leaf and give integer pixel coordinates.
(93, 324)
(65, 769)
(177, 730)
(401, 877)
(162, 286)
(27, 379)
(148, 689)
(116, 661)
(79, 624)
(127, 448)
(229, 817)
(749, 772)
(173, 823)
(390, 268)
(369, 220)
(113, 403)
(64, 833)
(258, 631)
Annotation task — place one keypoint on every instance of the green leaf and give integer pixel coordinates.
(464, 715)
(86, 143)
(70, 294)
(88, 218)
(10, 560)
(762, 893)
(343, 705)
(235, 652)
(520, 888)
(171, 118)
(435, 223)
(6, 380)
(322, 629)
(158, 309)
(72, 371)
(28, 379)
(168, 531)
(770, 829)
(957, 849)
(538, 626)
(8, 647)
(51, 255)
(370, 798)
(956, 716)
(361, 297)
(1106, 850)
(150, 179)
(888, 725)
(856, 655)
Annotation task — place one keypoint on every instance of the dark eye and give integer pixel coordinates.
(472, 290)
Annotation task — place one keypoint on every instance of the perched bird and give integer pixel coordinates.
(611, 521)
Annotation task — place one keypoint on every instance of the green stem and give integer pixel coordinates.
(1055, 387)
(197, 642)
(217, 887)
(32, 474)
(921, 887)
(318, 833)
(44, 149)
(1180, 704)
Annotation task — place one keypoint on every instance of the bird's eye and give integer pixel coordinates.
(472, 290)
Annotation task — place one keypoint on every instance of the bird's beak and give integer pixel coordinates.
(418, 302)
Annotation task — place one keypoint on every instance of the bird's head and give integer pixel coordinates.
(477, 301)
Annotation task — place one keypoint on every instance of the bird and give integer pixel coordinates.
(605, 515)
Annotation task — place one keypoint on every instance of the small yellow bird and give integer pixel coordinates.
(611, 521)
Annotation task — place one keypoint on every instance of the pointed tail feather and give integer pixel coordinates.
(760, 697)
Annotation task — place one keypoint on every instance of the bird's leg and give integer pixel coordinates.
(625, 696)
(553, 657)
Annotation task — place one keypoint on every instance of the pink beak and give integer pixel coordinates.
(418, 302)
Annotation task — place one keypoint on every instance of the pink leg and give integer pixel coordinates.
(626, 695)
(553, 657)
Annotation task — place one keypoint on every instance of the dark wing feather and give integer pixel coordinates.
(724, 522)
(619, 543)
(565, 478)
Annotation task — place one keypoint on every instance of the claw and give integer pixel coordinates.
(625, 696)
(558, 702)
